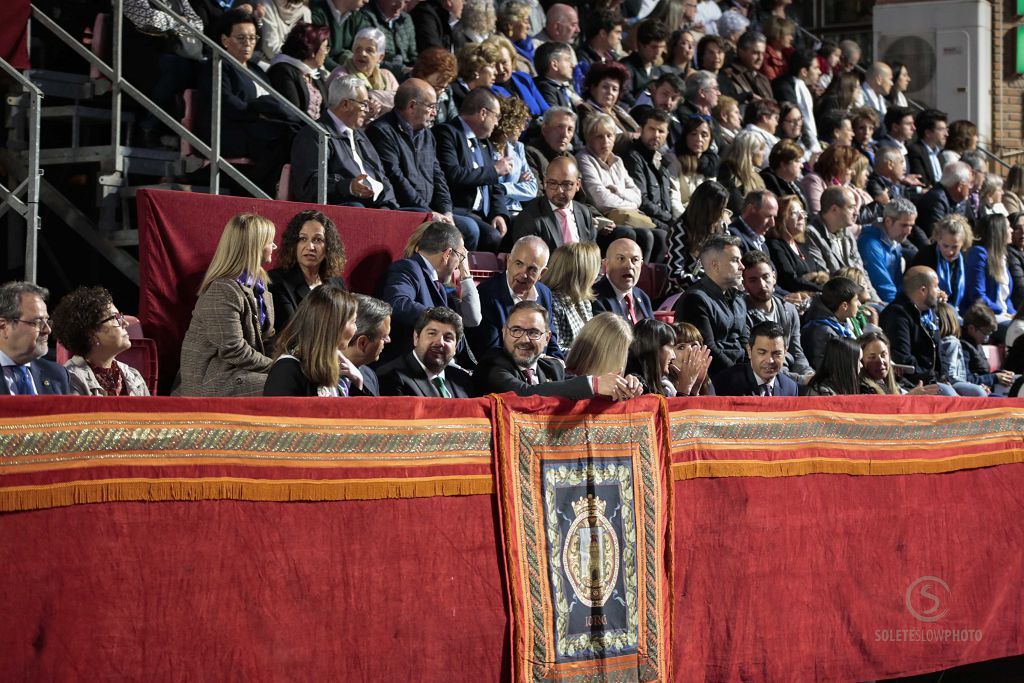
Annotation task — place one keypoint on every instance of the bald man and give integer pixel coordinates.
(407, 153)
(562, 25)
(527, 263)
(554, 217)
(877, 85)
(617, 291)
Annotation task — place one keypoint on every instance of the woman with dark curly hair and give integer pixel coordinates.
(519, 183)
(602, 87)
(311, 254)
(298, 71)
(438, 67)
(88, 324)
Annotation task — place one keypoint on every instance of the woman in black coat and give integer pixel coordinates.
(298, 73)
(311, 254)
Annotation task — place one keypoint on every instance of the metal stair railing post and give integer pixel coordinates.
(218, 162)
(912, 103)
(219, 53)
(29, 209)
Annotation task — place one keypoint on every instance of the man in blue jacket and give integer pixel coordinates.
(881, 247)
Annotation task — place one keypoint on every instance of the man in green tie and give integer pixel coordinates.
(426, 371)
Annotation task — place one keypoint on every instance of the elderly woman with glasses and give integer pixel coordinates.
(365, 62)
(88, 324)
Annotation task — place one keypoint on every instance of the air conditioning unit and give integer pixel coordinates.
(947, 47)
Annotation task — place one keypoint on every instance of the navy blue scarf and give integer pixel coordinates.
(955, 289)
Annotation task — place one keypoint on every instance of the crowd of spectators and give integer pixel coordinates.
(817, 234)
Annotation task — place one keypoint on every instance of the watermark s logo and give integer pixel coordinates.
(926, 598)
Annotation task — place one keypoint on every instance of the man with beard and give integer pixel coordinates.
(24, 336)
(519, 366)
(764, 305)
(554, 217)
(763, 375)
(527, 263)
(909, 323)
(425, 371)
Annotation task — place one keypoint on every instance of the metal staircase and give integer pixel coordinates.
(94, 130)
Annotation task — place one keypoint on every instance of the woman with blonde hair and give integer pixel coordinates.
(225, 348)
(738, 171)
(510, 82)
(602, 347)
(1013, 189)
(611, 189)
(571, 274)
(952, 237)
(513, 22)
(365, 62)
(309, 360)
(476, 70)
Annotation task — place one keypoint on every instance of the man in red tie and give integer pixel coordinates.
(554, 216)
(617, 291)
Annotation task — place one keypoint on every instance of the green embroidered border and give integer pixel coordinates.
(263, 441)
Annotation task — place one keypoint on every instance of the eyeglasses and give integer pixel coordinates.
(491, 112)
(246, 38)
(567, 186)
(532, 334)
(428, 107)
(363, 104)
(463, 255)
(38, 323)
(119, 317)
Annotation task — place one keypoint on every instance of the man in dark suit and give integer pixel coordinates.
(760, 208)
(466, 157)
(426, 371)
(24, 340)
(415, 284)
(923, 154)
(373, 332)
(555, 217)
(355, 174)
(762, 375)
(433, 20)
(617, 291)
(715, 305)
(518, 364)
(554, 62)
(947, 197)
(527, 263)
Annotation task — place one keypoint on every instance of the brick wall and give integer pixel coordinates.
(1007, 85)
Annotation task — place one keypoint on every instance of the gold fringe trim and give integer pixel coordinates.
(18, 498)
(712, 469)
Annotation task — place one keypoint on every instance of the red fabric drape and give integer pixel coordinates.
(178, 234)
(813, 539)
(14, 32)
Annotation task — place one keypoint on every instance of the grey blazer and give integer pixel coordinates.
(225, 351)
(83, 379)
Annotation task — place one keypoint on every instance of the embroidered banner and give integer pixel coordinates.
(584, 498)
(180, 450)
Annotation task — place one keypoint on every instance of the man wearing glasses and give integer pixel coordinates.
(554, 216)
(24, 336)
(520, 366)
(469, 163)
(415, 284)
(355, 174)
